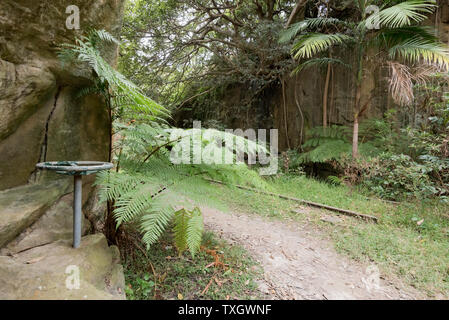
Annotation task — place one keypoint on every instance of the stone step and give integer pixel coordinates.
(22, 206)
(55, 224)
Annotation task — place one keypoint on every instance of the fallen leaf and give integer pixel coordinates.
(207, 287)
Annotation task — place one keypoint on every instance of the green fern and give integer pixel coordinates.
(335, 180)
(112, 84)
(180, 230)
(148, 186)
(188, 230)
(154, 224)
(195, 228)
(332, 143)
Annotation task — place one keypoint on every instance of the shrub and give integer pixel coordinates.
(395, 176)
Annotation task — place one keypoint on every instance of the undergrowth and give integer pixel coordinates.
(220, 271)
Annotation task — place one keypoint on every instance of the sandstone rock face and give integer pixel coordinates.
(40, 117)
(50, 272)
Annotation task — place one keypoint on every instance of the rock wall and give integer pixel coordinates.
(40, 117)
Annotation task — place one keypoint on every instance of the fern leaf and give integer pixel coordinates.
(154, 224)
(180, 230)
(195, 228)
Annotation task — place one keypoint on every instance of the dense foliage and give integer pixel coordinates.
(143, 189)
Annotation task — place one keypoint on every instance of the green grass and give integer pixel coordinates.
(162, 274)
(398, 244)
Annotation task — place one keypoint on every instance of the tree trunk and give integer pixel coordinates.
(355, 137)
(355, 132)
(110, 229)
(325, 95)
(285, 114)
(299, 5)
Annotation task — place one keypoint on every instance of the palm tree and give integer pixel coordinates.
(394, 31)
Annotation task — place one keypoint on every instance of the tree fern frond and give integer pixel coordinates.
(195, 228)
(180, 229)
(131, 205)
(102, 35)
(86, 50)
(153, 224)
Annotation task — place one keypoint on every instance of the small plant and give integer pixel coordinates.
(331, 145)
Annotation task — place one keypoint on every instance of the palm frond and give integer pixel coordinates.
(309, 45)
(416, 50)
(309, 24)
(403, 14)
(402, 80)
(387, 38)
(401, 84)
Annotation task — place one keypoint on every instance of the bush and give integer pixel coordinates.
(395, 176)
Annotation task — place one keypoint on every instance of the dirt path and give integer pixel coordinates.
(298, 265)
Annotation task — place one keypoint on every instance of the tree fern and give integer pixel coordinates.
(125, 94)
(332, 143)
(147, 189)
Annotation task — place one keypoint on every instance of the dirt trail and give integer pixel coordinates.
(299, 266)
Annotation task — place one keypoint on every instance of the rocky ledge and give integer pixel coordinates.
(56, 271)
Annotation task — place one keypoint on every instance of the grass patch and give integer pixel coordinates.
(227, 271)
(411, 239)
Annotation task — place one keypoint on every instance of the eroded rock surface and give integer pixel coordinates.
(22, 206)
(41, 118)
(51, 272)
(55, 224)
